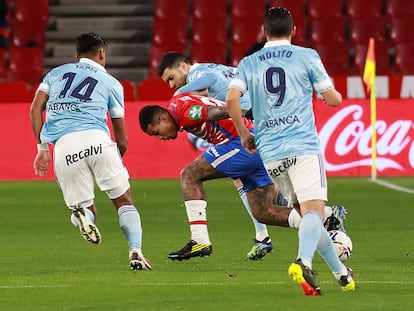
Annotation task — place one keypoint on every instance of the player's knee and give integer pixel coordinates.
(187, 175)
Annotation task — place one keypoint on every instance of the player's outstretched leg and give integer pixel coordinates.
(199, 244)
(130, 224)
(262, 244)
(87, 228)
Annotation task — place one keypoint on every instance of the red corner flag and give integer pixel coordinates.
(369, 69)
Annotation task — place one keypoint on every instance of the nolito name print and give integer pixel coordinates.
(75, 157)
(273, 54)
(288, 162)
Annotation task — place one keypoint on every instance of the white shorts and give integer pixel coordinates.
(81, 158)
(300, 179)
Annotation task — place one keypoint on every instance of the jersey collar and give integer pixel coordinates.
(91, 62)
(277, 43)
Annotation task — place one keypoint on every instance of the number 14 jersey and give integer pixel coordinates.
(80, 96)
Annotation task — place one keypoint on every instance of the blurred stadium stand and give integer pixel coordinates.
(139, 32)
(125, 25)
(170, 27)
(209, 31)
(338, 29)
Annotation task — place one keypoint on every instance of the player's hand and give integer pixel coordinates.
(122, 146)
(248, 143)
(41, 163)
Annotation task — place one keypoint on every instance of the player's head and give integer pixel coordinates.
(278, 23)
(91, 45)
(156, 121)
(173, 69)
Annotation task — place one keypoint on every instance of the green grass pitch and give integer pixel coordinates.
(46, 265)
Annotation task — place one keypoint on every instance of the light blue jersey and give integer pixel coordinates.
(216, 78)
(80, 96)
(280, 79)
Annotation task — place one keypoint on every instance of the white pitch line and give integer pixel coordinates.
(200, 284)
(392, 186)
(32, 286)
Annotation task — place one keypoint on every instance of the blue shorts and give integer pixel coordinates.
(235, 162)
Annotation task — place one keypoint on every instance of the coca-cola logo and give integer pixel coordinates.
(349, 132)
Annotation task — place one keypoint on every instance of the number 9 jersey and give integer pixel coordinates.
(280, 79)
(80, 96)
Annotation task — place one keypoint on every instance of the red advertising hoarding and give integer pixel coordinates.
(345, 134)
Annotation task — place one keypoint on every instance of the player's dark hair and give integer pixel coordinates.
(278, 22)
(148, 114)
(171, 60)
(89, 43)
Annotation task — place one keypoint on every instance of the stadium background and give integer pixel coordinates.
(139, 32)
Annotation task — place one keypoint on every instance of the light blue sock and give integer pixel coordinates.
(309, 234)
(258, 226)
(327, 251)
(130, 223)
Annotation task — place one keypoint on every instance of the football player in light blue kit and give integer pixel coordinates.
(176, 70)
(76, 98)
(280, 79)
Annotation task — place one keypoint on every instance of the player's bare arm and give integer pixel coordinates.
(332, 97)
(36, 110)
(198, 92)
(235, 112)
(42, 159)
(121, 139)
(219, 113)
(215, 113)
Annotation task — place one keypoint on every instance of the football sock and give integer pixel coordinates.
(294, 219)
(309, 234)
(328, 211)
(88, 213)
(338, 275)
(197, 219)
(261, 235)
(130, 223)
(261, 229)
(327, 251)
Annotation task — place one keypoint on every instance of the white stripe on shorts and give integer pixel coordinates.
(224, 157)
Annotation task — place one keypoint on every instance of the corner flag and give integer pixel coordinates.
(369, 79)
(369, 69)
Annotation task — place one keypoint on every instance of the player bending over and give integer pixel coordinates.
(207, 118)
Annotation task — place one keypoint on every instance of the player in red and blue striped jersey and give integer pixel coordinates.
(208, 118)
